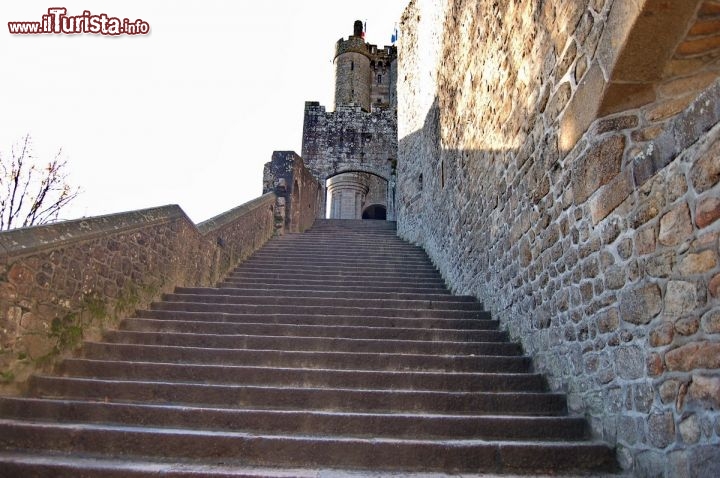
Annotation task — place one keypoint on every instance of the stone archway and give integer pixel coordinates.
(375, 211)
(646, 45)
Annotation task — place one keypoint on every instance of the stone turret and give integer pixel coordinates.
(364, 75)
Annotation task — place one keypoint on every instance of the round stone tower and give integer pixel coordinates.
(352, 70)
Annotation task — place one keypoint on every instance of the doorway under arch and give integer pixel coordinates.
(375, 211)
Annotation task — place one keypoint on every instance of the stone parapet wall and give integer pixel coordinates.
(63, 282)
(579, 200)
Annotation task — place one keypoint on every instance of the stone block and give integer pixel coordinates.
(698, 263)
(705, 389)
(687, 326)
(707, 211)
(690, 429)
(641, 304)
(714, 286)
(711, 322)
(675, 225)
(680, 298)
(705, 173)
(598, 167)
(645, 240)
(610, 196)
(662, 335)
(668, 391)
(661, 429)
(695, 355)
(629, 362)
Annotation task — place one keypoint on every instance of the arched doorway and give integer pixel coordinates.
(376, 211)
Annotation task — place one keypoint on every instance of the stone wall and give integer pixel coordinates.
(559, 160)
(63, 282)
(299, 194)
(349, 140)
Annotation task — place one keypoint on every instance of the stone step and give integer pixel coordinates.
(300, 377)
(293, 330)
(300, 398)
(307, 359)
(321, 320)
(357, 302)
(327, 294)
(342, 276)
(359, 312)
(317, 423)
(311, 344)
(319, 255)
(240, 448)
(344, 285)
(279, 266)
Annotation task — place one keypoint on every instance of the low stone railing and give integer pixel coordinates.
(67, 281)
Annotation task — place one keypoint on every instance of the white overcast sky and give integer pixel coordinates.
(186, 115)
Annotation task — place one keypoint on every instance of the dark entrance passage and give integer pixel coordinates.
(375, 211)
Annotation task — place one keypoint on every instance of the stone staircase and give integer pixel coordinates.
(336, 349)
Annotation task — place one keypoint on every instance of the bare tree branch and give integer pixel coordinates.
(31, 194)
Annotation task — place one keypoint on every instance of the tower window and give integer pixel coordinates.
(352, 65)
(379, 79)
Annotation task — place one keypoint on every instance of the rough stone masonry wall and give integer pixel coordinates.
(349, 139)
(65, 281)
(600, 253)
(299, 194)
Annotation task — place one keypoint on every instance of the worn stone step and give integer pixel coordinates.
(322, 320)
(319, 256)
(327, 294)
(301, 377)
(370, 277)
(40, 464)
(398, 425)
(358, 302)
(302, 398)
(344, 285)
(294, 330)
(280, 266)
(360, 312)
(307, 359)
(241, 448)
(262, 342)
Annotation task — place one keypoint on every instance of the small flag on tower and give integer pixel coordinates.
(364, 29)
(394, 36)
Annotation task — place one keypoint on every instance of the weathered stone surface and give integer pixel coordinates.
(597, 168)
(662, 335)
(655, 365)
(645, 240)
(705, 389)
(629, 362)
(609, 197)
(693, 356)
(711, 322)
(707, 211)
(687, 326)
(668, 391)
(640, 305)
(705, 173)
(698, 263)
(705, 461)
(680, 298)
(675, 226)
(661, 429)
(690, 429)
(714, 286)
